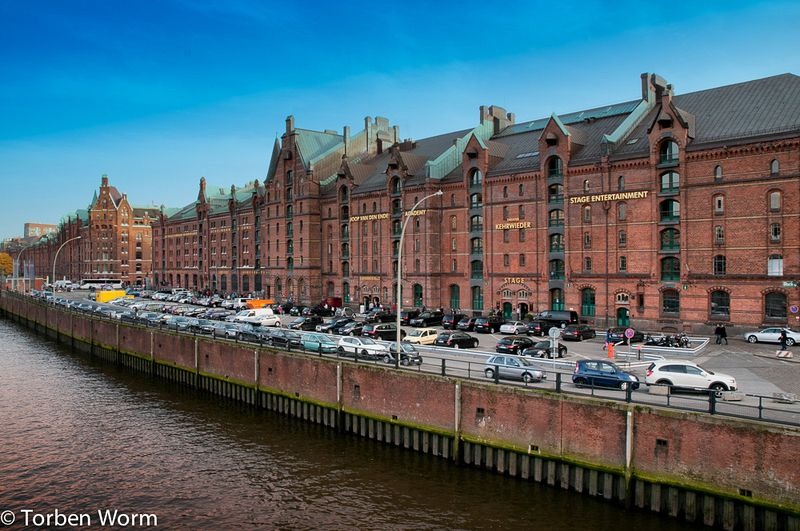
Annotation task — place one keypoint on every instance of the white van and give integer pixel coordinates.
(258, 316)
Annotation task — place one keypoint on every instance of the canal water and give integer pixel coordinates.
(79, 436)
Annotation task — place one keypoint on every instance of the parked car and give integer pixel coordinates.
(456, 339)
(380, 316)
(407, 315)
(352, 329)
(602, 373)
(514, 327)
(535, 328)
(336, 327)
(202, 326)
(578, 332)
(467, 324)
(294, 310)
(408, 354)
(544, 349)
(618, 334)
(772, 335)
(557, 318)
(450, 321)
(249, 332)
(328, 326)
(513, 344)
(687, 375)
(317, 342)
(384, 331)
(363, 347)
(307, 323)
(422, 336)
(226, 329)
(283, 338)
(489, 324)
(512, 368)
(429, 318)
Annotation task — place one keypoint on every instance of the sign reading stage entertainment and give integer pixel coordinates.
(618, 196)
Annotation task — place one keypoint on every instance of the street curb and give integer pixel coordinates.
(773, 357)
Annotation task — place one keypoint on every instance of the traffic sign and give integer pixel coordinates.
(789, 284)
(629, 333)
(793, 309)
(554, 332)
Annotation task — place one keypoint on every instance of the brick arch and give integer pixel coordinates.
(712, 289)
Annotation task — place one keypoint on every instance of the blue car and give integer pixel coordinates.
(602, 373)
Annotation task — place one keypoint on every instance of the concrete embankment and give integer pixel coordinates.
(727, 473)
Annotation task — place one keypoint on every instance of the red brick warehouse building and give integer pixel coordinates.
(664, 211)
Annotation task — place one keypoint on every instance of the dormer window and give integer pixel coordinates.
(551, 139)
(668, 152)
(555, 167)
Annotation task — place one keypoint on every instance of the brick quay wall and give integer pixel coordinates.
(726, 473)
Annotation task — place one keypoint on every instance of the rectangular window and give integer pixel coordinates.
(719, 205)
(522, 235)
(453, 244)
(521, 260)
(454, 266)
(587, 241)
(506, 261)
(623, 264)
(505, 235)
(775, 232)
(522, 211)
(775, 266)
(622, 240)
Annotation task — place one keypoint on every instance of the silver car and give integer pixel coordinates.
(513, 368)
(772, 335)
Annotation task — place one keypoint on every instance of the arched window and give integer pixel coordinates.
(670, 269)
(775, 306)
(556, 218)
(505, 191)
(720, 264)
(554, 167)
(622, 239)
(329, 289)
(395, 185)
(670, 182)
(453, 223)
(346, 291)
(670, 302)
(587, 302)
(556, 268)
(556, 299)
(521, 192)
(476, 245)
(587, 214)
(397, 208)
(775, 232)
(557, 243)
(476, 178)
(668, 152)
(476, 223)
(621, 183)
(289, 246)
(670, 240)
(775, 201)
(622, 211)
(775, 265)
(670, 210)
(363, 208)
(476, 269)
(345, 269)
(344, 194)
(718, 173)
(455, 296)
(587, 264)
(417, 295)
(720, 305)
(555, 193)
(586, 186)
(476, 293)
(476, 200)
(774, 167)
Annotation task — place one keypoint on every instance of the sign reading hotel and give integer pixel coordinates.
(619, 196)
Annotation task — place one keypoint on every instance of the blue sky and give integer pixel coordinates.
(158, 94)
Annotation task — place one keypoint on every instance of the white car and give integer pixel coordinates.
(363, 347)
(422, 336)
(772, 335)
(514, 327)
(688, 375)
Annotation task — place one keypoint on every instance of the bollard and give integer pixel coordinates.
(611, 351)
(444, 370)
(558, 382)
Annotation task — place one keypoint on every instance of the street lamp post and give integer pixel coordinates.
(400, 272)
(56, 256)
(22, 264)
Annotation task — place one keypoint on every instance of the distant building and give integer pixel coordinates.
(115, 241)
(36, 230)
(660, 212)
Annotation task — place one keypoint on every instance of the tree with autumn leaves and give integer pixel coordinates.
(6, 265)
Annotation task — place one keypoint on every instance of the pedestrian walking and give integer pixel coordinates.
(609, 339)
(723, 334)
(718, 331)
(783, 339)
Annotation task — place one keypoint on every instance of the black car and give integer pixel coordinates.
(429, 318)
(408, 355)
(295, 310)
(578, 332)
(456, 339)
(617, 334)
(535, 328)
(543, 349)
(513, 344)
(202, 326)
(467, 324)
(352, 329)
(332, 325)
(407, 315)
(487, 325)
(450, 321)
(336, 327)
(280, 337)
(319, 310)
(248, 332)
(380, 316)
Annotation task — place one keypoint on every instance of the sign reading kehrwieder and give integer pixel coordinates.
(618, 196)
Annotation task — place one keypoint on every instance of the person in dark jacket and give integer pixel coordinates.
(723, 334)
(718, 331)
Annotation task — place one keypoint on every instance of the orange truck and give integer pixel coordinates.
(259, 303)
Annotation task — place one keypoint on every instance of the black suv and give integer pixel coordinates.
(489, 324)
(407, 315)
(380, 316)
(450, 321)
(428, 318)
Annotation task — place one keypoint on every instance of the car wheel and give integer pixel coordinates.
(404, 362)
(340, 350)
(624, 385)
(526, 377)
(456, 346)
(718, 388)
(475, 344)
(789, 342)
(580, 382)
(562, 352)
(387, 359)
(664, 382)
(752, 339)
(353, 334)
(489, 373)
(364, 353)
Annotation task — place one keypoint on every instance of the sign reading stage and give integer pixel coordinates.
(618, 196)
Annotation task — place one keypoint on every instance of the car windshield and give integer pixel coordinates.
(367, 341)
(416, 332)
